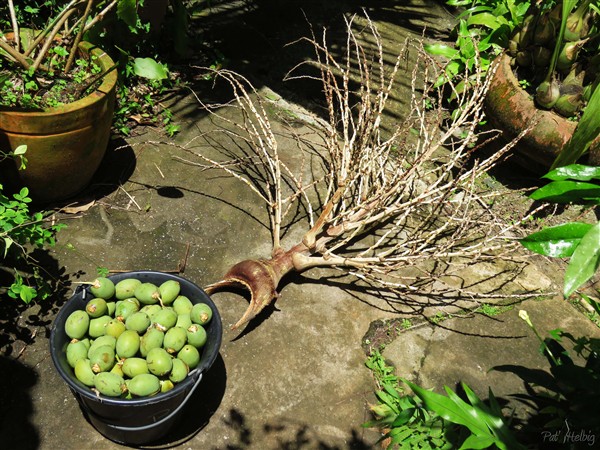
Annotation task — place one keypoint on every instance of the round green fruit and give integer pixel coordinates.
(159, 362)
(182, 305)
(77, 324)
(138, 321)
(196, 335)
(175, 339)
(189, 355)
(201, 313)
(96, 307)
(128, 344)
(179, 371)
(147, 293)
(169, 290)
(84, 372)
(144, 385)
(76, 350)
(125, 288)
(103, 287)
(109, 384)
(135, 366)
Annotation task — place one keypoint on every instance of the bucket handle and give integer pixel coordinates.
(161, 421)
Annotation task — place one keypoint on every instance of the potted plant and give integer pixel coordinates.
(58, 95)
(546, 66)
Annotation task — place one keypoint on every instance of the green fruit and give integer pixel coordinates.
(138, 321)
(196, 335)
(182, 305)
(128, 344)
(102, 359)
(179, 371)
(166, 385)
(165, 319)
(183, 321)
(77, 324)
(76, 350)
(98, 326)
(102, 340)
(126, 307)
(201, 313)
(144, 385)
(153, 338)
(87, 342)
(159, 361)
(109, 384)
(175, 339)
(112, 306)
(115, 328)
(125, 288)
(169, 291)
(103, 287)
(151, 310)
(135, 366)
(118, 369)
(84, 372)
(96, 307)
(189, 355)
(147, 293)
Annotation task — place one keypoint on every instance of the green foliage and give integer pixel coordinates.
(575, 240)
(428, 420)
(406, 422)
(483, 30)
(570, 393)
(123, 35)
(486, 423)
(20, 231)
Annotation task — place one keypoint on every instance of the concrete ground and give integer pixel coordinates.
(293, 379)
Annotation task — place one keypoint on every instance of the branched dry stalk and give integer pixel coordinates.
(392, 204)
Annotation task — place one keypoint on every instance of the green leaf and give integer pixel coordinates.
(20, 150)
(7, 243)
(127, 12)
(448, 409)
(559, 241)
(27, 293)
(579, 172)
(584, 262)
(486, 19)
(441, 50)
(149, 68)
(566, 191)
(586, 131)
(477, 442)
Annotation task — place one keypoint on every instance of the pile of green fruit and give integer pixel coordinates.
(135, 339)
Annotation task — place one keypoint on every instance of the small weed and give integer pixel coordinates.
(406, 324)
(438, 318)
(493, 310)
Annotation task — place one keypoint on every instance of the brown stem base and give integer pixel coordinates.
(260, 277)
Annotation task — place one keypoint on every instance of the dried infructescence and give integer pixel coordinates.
(413, 190)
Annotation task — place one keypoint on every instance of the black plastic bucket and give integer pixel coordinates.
(142, 420)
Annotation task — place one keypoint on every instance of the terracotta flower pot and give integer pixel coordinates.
(65, 144)
(510, 109)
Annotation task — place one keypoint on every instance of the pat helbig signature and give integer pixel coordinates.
(570, 436)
